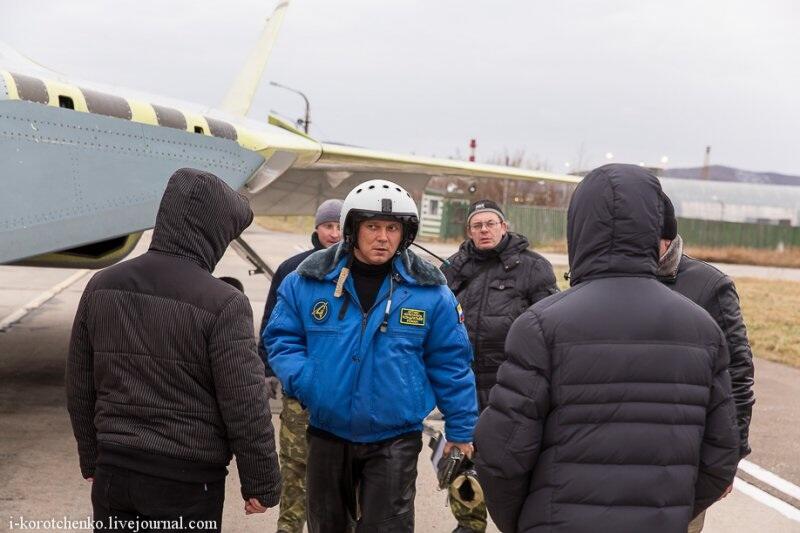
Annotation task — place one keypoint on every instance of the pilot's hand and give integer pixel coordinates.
(252, 506)
(727, 491)
(273, 384)
(465, 447)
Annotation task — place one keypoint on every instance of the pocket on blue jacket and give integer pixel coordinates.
(325, 386)
(399, 388)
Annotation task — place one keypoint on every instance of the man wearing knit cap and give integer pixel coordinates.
(294, 419)
(715, 292)
(495, 278)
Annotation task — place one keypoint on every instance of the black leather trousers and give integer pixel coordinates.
(361, 487)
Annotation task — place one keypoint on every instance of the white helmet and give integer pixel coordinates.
(380, 199)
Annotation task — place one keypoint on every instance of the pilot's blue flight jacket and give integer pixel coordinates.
(368, 377)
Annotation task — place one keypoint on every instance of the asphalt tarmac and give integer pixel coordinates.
(39, 475)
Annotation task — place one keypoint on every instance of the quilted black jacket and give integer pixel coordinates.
(613, 411)
(163, 376)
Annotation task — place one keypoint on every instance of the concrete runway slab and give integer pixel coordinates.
(38, 456)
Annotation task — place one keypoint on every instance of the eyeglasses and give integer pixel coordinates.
(479, 225)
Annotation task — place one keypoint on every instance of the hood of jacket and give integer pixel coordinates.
(614, 223)
(326, 264)
(198, 217)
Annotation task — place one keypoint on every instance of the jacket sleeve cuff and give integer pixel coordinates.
(457, 435)
(267, 500)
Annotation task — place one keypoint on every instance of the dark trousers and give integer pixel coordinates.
(125, 497)
(361, 487)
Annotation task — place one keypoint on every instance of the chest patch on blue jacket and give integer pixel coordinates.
(319, 312)
(412, 317)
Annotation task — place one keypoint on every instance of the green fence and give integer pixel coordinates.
(544, 225)
(718, 233)
(540, 224)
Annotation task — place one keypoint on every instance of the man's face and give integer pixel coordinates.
(329, 233)
(486, 230)
(377, 241)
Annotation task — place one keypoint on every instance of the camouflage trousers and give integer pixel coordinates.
(293, 452)
(467, 502)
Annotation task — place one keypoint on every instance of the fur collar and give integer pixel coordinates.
(668, 264)
(325, 264)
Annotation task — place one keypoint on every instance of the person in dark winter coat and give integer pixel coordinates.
(294, 419)
(613, 411)
(164, 382)
(495, 278)
(715, 292)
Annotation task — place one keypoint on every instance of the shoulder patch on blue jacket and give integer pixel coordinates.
(320, 310)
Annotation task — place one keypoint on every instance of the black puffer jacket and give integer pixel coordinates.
(163, 376)
(715, 292)
(613, 411)
(494, 287)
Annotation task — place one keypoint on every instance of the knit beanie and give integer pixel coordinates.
(328, 211)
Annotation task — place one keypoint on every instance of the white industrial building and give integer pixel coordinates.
(733, 201)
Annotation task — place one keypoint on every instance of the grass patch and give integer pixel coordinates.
(788, 258)
(556, 247)
(771, 311)
(287, 224)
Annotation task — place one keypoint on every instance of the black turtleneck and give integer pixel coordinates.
(368, 280)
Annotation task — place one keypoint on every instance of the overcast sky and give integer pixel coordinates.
(640, 79)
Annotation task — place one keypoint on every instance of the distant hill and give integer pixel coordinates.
(722, 173)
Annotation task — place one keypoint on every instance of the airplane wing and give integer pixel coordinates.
(339, 168)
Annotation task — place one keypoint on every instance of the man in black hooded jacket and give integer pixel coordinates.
(613, 411)
(164, 382)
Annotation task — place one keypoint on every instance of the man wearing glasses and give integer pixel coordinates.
(495, 278)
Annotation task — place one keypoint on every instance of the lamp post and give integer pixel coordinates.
(307, 120)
